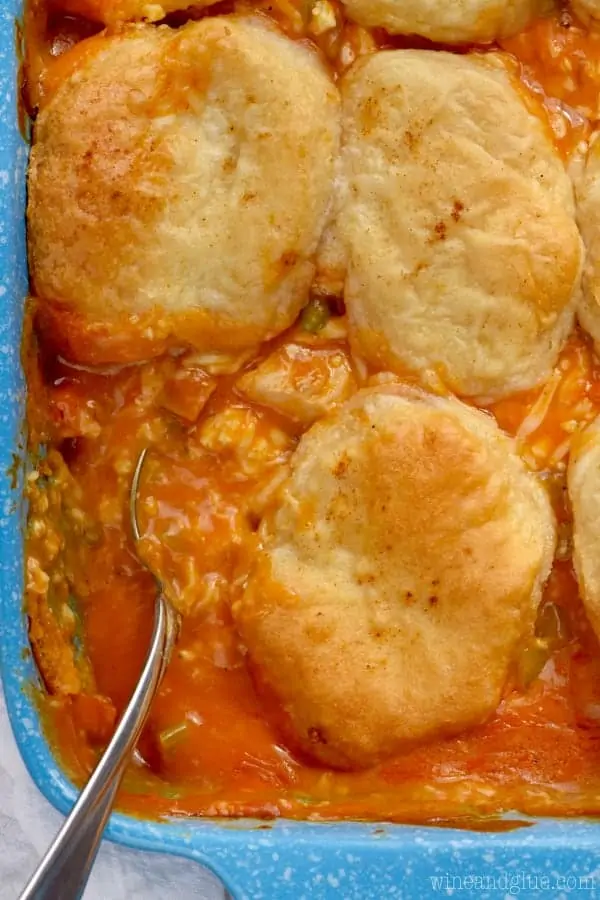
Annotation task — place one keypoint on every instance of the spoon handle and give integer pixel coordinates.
(64, 871)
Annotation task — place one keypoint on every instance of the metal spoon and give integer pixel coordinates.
(65, 869)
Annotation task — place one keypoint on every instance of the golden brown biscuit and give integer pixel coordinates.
(588, 213)
(455, 231)
(587, 10)
(178, 187)
(584, 494)
(448, 21)
(397, 577)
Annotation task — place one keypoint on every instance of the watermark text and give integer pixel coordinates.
(513, 883)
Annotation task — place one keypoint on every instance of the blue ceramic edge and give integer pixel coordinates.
(288, 860)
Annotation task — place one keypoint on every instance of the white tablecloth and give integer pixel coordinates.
(28, 824)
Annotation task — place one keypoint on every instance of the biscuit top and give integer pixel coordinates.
(398, 574)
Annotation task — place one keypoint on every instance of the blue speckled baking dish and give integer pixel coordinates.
(290, 860)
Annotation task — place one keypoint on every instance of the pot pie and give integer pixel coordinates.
(334, 265)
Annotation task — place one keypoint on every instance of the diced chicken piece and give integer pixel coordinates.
(247, 437)
(71, 414)
(300, 382)
(322, 17)
(187, 393)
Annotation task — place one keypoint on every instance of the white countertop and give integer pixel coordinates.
(28, 824)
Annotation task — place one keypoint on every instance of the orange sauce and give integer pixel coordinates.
(210, 747)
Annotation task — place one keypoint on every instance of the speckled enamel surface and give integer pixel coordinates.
(288, 861)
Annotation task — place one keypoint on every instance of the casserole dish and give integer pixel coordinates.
(292, 860)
